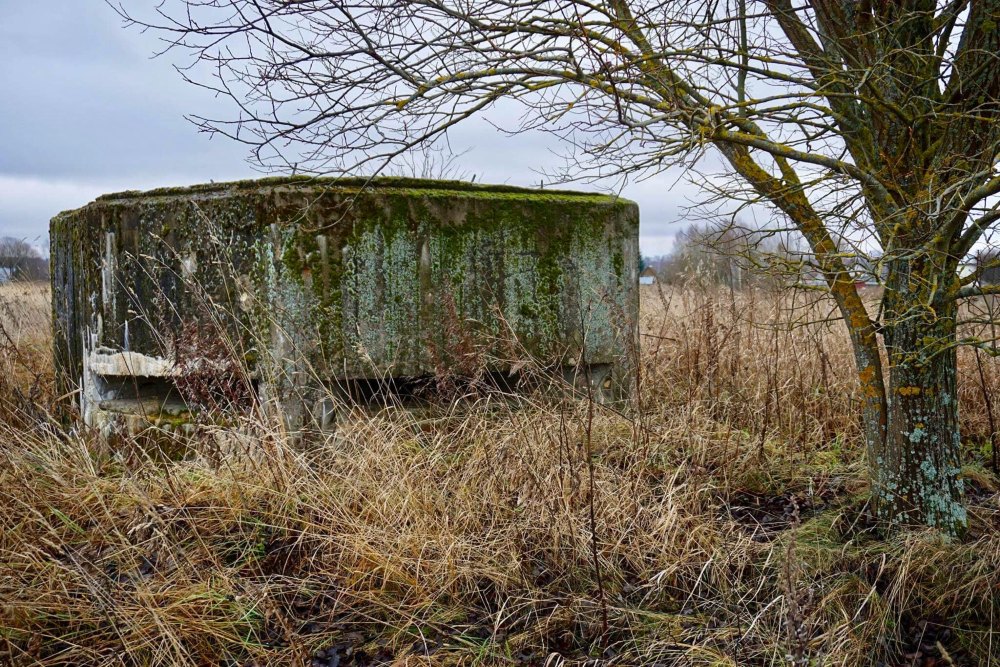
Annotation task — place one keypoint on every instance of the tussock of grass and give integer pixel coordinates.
(729, 516)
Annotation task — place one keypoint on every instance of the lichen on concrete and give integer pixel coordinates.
(319, 280)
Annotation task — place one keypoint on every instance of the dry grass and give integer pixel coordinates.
(25, 355)
(729, 524)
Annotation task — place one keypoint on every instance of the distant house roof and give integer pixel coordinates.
(648, 272)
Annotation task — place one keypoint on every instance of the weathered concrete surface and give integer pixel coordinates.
(311, 281)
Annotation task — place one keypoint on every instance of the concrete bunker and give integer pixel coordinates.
(289, 292)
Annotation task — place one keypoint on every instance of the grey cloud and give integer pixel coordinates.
(86, 102)
(86, 110)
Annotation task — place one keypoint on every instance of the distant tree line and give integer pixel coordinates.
(21, 261)
(732, 256)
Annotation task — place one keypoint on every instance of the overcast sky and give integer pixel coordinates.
(86, 110)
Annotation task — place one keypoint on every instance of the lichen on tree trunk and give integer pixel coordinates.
(917, 478)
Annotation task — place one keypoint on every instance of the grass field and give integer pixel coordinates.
(24, 311)
(721, 523)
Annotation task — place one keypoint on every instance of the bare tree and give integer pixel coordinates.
(15, 247)
(430, 161)
(716, 254)
(19, 260)
(845, 117)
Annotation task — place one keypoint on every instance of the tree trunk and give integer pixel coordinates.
(916, 473)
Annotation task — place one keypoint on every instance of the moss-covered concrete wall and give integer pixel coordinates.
(319, 279)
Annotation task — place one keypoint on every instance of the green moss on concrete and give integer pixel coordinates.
(356, 278)
(408, 187)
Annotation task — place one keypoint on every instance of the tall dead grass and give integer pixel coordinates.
(26, 379)
(727, 518)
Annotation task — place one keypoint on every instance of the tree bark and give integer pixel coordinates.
(916, 476)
